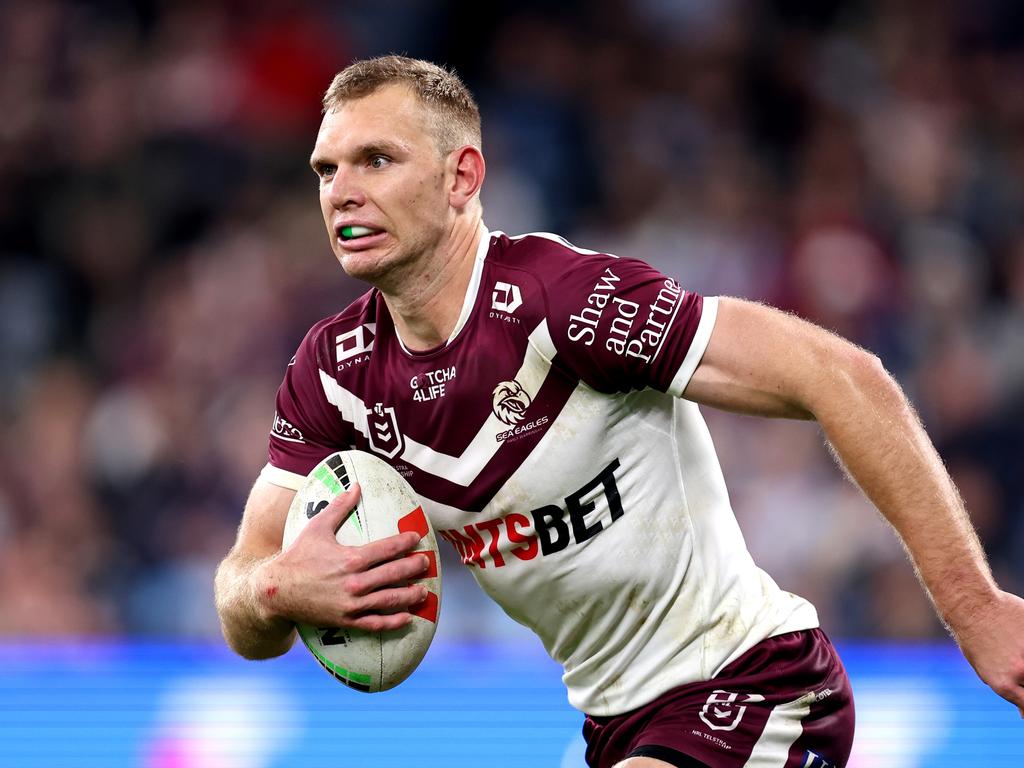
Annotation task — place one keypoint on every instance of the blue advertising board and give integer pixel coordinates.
(107, 705)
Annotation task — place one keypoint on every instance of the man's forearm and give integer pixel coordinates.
(761, 361)
(248, 631)
(880, 442)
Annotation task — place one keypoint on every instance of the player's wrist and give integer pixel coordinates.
(966, 606)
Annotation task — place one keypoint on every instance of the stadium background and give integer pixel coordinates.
(161, 255)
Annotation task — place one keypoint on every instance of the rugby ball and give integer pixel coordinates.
(363, 660)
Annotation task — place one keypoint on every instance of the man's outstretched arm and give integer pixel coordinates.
(764, 362)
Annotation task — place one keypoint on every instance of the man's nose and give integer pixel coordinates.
(344, 191)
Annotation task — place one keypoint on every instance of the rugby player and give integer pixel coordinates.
(543, 401)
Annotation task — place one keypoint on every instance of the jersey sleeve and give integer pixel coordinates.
(306, 427)
(619, 325)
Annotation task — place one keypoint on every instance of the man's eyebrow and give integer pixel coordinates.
(382, 146)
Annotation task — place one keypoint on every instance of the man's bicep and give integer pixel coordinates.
(262, 528)
(763, 362)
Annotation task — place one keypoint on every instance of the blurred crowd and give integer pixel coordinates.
(161, 256)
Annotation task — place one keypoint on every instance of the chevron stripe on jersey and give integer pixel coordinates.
(470, 479)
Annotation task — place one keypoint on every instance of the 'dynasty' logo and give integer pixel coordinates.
(510, 402)
(506, 297)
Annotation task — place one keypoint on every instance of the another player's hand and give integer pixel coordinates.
(316, 580)
(993, 642)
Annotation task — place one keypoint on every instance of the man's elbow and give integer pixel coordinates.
(254, 646)
(264, 652)
(872, 377)
(867, 382)
(848, 375)
(246, 630)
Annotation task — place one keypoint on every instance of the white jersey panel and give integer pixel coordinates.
(664, 593)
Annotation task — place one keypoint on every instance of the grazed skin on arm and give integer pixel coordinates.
(761, 361)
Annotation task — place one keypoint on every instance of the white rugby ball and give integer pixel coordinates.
(369, 661)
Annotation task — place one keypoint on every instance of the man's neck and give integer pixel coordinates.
(427, 308)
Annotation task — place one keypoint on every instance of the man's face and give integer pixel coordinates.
(382, 183)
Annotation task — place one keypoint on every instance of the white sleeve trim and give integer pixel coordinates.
(709, 312)
(282, 477)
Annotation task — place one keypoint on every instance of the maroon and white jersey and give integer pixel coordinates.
(551, 449)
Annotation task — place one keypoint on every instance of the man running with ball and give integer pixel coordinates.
(542, 399)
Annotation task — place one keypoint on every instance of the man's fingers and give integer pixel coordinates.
(382, 550)
(387, 601)
(1013, 692)
(399, 571)
(1018, 698)
(334, 514)
(382, 622)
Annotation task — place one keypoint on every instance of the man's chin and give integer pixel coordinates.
(365, 266)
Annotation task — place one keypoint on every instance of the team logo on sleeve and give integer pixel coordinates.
(383, 432)
(510, 402)
(285, 430)
(354, 343)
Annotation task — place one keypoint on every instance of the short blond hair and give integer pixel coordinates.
(452, 110)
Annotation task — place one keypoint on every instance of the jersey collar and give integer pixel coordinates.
(474, 283)
(469, 301)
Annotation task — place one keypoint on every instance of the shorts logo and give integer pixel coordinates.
(814, 760)
(355, 342)
(285, 430)
(510, 402)
(383, 432)
(506, 297)
(721, 711)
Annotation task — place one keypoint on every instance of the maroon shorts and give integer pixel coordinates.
(785, 703)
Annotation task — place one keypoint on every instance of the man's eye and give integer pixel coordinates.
(379, 161)
(326, 171)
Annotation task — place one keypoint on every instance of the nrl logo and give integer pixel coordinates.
(383, 432)
(510, 402)
(723, 710)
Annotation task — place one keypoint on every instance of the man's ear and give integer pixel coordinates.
(467, 169)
